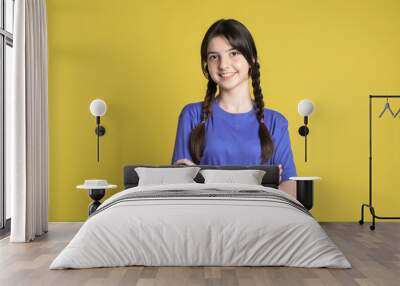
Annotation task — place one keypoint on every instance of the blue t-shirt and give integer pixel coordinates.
(232, 138)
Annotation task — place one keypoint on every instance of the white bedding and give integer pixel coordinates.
(182, 231)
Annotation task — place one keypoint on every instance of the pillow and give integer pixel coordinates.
(164, 176)
(249, 177)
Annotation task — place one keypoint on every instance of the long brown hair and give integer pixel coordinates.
(239, 38)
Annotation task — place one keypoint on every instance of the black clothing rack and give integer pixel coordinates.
(370, 206)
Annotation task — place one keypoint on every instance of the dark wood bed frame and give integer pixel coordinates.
(270, 179)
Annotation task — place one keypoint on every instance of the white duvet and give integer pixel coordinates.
(200, 231)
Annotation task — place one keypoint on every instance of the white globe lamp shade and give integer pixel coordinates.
(98, 107)
(305, 107)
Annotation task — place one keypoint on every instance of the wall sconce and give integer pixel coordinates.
(305, 108)
(98, 108)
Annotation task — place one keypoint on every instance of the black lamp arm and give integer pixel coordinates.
(100, 131)
(303, 131)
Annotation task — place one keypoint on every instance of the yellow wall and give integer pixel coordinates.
(142, 58)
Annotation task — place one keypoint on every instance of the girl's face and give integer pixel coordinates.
(227, 66)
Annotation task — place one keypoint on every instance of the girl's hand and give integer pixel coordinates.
(280, 172)
(184, 162)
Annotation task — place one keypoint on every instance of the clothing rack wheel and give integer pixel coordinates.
(372, 210)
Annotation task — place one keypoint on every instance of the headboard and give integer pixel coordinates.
(270, 179)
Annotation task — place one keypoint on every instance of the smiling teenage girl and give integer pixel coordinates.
(230, 128)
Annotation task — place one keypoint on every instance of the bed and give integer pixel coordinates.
(201, 224)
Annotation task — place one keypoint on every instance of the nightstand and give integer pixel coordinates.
(305, 190)
(97, 190)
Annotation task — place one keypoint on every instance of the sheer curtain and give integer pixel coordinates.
(27, 124)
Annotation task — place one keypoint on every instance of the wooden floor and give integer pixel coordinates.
(375, 256)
